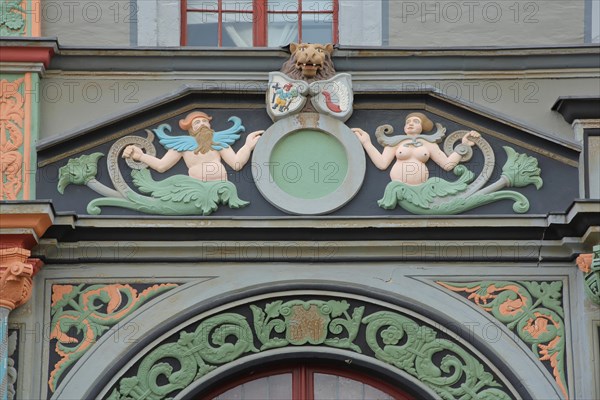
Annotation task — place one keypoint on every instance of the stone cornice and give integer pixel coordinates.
(578, 107)
(22, 223)
(28, 50)
(552, 238)
(346, 59)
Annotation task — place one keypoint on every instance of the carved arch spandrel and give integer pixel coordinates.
(531, 309)
(515, 369)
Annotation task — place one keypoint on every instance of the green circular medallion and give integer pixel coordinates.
(308, 164)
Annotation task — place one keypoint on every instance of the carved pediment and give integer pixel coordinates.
(511, 168)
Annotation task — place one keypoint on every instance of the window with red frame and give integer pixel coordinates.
(305, 381)
(258, 23)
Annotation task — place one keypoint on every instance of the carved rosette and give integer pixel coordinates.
(16, 273)
(533, 310)
(443, 365)
(20, 18)
(81, 315)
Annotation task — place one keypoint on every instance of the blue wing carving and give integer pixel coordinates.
(223, 139)
(179, 143)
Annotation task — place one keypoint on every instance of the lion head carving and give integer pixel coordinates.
(309, 62)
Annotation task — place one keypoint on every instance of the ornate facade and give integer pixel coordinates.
(181, 222)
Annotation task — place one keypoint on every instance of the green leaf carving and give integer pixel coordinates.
(78, 171)
(272, 309)
(521, 170)
(422, 195)
(338, 307)
(175, 195)
(418, 353)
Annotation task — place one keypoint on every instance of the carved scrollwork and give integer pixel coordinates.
(115, 153)
(80, 316)
(441, 364)
(216, 341)
(531, 309)
(446, 367)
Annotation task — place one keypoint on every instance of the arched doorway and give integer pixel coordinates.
(306, 380)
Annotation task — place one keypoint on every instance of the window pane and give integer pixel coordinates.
(276, 387)
(325, 386)
(329, 387)
(237, 5)
(202, 29)
(282, 29)
(317, 6)
(203, 5)
(237, 30)
(280, 387)
(350, 389)
(290, 6)
(317, 28)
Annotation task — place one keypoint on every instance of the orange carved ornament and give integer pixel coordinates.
(12, 125)
(16, 273)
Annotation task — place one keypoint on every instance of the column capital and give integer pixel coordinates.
(16, 273)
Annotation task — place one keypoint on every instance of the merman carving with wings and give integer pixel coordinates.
(202, 150)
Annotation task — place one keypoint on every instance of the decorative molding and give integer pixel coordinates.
(23, 54)
(90, 312)
(18, 67)
(16, 273)
(12, 137)
(589, 264)
(533, 310)
(442, 364)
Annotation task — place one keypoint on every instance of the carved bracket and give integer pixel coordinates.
(16, 272)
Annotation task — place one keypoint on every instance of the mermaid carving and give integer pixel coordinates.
(413, 150)
(413, 189)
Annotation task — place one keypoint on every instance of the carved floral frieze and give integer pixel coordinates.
(12, 133)
(533, 310)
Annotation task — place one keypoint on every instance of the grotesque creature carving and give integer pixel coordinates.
(309, 62)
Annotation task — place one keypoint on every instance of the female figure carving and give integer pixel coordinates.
(413, 150)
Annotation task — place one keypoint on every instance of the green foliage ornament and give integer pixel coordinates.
(176, 195)
(12, 18)
(441, 364)
(520, 170)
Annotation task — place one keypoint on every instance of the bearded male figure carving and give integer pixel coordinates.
(202, 151)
